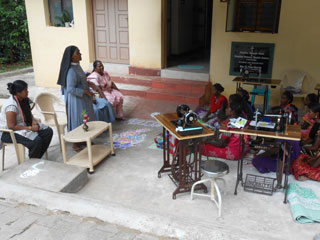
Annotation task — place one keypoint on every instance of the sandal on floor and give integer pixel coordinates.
(77, 147)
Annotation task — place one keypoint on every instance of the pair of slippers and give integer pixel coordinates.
(78, 146)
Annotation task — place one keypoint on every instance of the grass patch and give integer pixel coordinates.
(15, 66)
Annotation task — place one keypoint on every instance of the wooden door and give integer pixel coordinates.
(111, 30)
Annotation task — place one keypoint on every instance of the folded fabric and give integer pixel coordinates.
(305, 206)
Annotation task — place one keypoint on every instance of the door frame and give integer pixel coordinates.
(164, 28)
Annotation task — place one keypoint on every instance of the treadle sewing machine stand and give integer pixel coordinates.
(184, 165)
(293, 133)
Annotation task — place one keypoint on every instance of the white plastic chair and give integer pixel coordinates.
(45, 101)
(214, 169)
(298, 82)
(19, 148)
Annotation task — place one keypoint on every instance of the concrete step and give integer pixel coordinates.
(133, 79)
(169, 89)
(175, 96)
(179, 85)
(133, 90)
(47, 175)
(196, 76)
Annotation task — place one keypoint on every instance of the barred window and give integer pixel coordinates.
(253, 16)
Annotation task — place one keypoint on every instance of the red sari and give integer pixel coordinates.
(310, 122)
(301, 167)
(231, 151)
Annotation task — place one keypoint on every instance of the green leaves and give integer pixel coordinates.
(83, 112)
(14, 37)
(64, 18)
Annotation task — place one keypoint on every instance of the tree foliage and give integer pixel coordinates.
(14, 37)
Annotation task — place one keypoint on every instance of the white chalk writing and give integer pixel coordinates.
(32, 172)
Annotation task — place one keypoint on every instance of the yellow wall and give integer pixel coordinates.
(296, 44)
(145, 33)
(48, 42)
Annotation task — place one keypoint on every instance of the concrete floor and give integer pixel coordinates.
(126, 190)
(199, 57)
(191, 65)
(19, 221)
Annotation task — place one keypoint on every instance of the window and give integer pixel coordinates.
(61, 13)
(253, 15)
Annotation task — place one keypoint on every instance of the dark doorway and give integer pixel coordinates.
(189, 24)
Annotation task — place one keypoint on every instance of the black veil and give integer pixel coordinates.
(65, 64)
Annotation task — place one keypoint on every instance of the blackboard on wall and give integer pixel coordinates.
(254, 56)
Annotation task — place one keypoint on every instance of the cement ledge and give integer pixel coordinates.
(16, 72)
(115, 213)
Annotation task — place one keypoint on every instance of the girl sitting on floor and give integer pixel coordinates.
(287, 106)
(307, 123)
(227, 144)
(310, 98)
(218, 102)
(309, 120)
(313, 143)
(235, 98)
(248, 109)
(246, 112)
(267, 162)
(306, 167)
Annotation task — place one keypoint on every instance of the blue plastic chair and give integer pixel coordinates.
(259, 90)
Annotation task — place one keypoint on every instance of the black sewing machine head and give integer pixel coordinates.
(185, 124)
(187, 117)
(282, 119)
(245, 72)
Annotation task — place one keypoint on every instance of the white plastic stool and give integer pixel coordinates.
(214, 170)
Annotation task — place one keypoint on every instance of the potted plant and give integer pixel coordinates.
(64, 19)
(85, 119)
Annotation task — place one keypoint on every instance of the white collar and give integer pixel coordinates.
(73, 63)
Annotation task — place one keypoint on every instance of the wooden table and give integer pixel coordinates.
(92, 154)
(317, 87)
(184, 172)
(258, 82)
(293, 133)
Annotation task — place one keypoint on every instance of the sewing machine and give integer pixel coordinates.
(185, 124)
(245, 72)
(271, 122)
